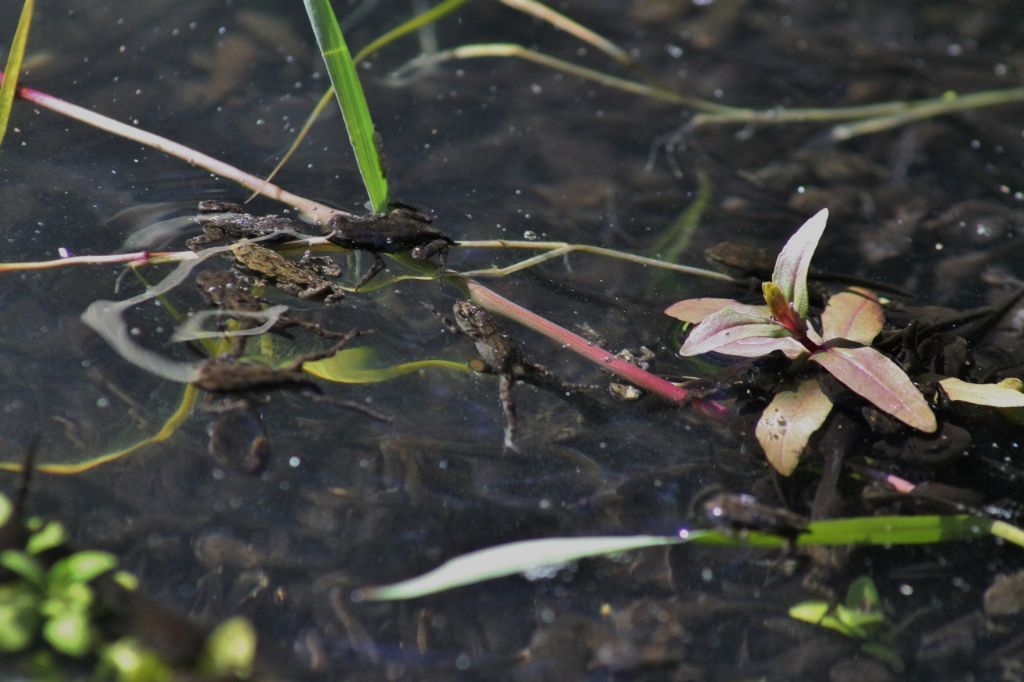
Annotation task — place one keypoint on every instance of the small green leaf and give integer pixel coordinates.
(69, 633)
(6, 509)
(862, 594)
(230, 649)
(25, 566)
(818, 613)
(126, 580)
(19, 617)
(128, 661)
(51, 535)
(81, 567)
(789, 421)
(794, 262)
(361, 366)
(853, 315)
(879, 380)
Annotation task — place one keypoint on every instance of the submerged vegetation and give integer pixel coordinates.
(867, 407)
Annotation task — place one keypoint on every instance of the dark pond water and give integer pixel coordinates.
(505, 149)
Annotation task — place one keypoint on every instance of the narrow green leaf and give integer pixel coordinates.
(505, 560)
(361, 366)
(794, 261)
(81, 567)
(531, 555)
(10, 76)
(350, 95)
(25, 566)
(6, 509)
(879, 380)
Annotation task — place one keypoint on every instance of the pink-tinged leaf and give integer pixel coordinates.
(879, 380)
(756, 346)
(1007, 393)
(725, 327)
(794, 261)
(853, 315)
(788, 423)
(694, 310)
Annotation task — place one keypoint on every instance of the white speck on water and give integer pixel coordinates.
(906, 590)
(294, 462)
(103, 402)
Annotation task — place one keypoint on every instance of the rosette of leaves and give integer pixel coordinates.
(849, 324)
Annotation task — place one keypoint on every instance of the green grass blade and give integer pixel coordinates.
(419, 21)
(350, 94)
(13, 68)
(534, 555)
(509, 559)
(360, 365)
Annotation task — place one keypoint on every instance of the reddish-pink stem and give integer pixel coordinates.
(630, 372)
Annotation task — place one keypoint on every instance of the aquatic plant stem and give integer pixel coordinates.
(630, 372)
(313, 210)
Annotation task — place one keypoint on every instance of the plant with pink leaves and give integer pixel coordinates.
(851, 321)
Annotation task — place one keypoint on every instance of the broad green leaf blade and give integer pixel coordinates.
(879, 380)
(862, 595)
(1003, 394)
(694, 310)
(818, 613)
(350, 94)
(794, 261)
(853, 315)
(788, 423)
(509, 559)
(726, 326)
(11, 72)
(361, 366)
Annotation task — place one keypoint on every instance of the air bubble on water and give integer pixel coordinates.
(530, 235)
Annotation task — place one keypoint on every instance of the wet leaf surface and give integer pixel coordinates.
(788, 423)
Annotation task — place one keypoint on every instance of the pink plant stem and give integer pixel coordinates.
(311, 209)
(628, 371)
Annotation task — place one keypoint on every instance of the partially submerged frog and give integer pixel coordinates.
(760, 263)
(228, 292)
(500, 355)
(741, 512)
(304, 278)
(227, 375)
(222, 220)
(402, 229)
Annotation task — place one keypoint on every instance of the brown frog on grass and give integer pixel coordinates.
(305, 278)
(401, 230)
(500, 355)
(222, 220)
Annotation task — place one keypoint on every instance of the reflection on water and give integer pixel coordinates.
(500, 149)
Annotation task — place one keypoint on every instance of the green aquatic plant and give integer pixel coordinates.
(57, 601)
(861, 616)
(849, 324)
